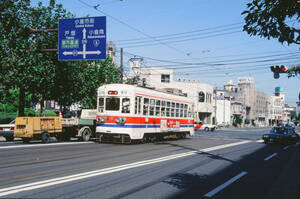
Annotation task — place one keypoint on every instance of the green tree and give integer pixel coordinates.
(237, 120)
(95, 75)
(16, 52)
(40, 74)
(274, 19)
(271, 18)
(22, 64)
(247, 121)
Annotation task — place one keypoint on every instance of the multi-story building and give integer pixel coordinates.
(243, 99)
(287, 113)
(275, 111)
(246, 93)
(111, 51)
(263, 102)
(222, 108)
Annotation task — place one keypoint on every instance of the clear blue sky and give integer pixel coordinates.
(213, 36)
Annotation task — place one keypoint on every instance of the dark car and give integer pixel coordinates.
(281, 135)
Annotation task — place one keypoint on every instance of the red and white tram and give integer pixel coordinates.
(128, 113)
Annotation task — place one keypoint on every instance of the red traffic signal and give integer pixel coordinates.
(279, 69)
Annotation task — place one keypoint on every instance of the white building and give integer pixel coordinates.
(276, 110)
(222, 108)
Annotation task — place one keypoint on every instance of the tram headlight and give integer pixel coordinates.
(101, 119)
(121, 120)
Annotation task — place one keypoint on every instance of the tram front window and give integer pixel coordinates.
(112, 104)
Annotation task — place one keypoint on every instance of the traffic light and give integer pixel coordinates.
(278, 69)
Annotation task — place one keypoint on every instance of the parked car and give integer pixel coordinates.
(7, 130)
(204, 126)
(281, 135)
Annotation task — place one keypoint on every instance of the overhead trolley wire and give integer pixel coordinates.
(183, 40)
(184, 65)
(182, 33)
(135, 29)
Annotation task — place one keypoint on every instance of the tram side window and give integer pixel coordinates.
(168, 112)
(185, 110)
(137, 107)
(145, 106)
(190, 111)
(177, 110)
(172, 112)
(157, 108)
(185, 113)
(101, 104)
(163, 108)
(112, 104)
(125, 105)
(181, 110)
(173, 105)
(152, 103)
(173, 109)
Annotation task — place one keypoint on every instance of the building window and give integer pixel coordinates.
(201, 96)
(165, 78)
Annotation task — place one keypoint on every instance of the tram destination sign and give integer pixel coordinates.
(82, 38)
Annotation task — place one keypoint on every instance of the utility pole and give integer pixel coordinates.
(121, 65)
(36, 32)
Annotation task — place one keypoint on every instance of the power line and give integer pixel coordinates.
(183, 34)
(216, 63)
(135, 29)
(184, 40)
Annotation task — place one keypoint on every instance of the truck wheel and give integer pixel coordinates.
(86, 134)
(9, 138)
(45, 138)
(212, 129)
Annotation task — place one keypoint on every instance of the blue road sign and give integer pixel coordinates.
(82, 38)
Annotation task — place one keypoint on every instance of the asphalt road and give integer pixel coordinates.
(229, 163)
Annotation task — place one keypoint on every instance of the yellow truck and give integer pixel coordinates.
(41, 128)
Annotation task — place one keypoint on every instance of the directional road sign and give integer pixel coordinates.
(82, 38)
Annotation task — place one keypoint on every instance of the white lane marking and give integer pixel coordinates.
(223, 146)
(259, 141)
(226, 184)
(60, 180)
(37, 145)
(271, 156)
(285, 148)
